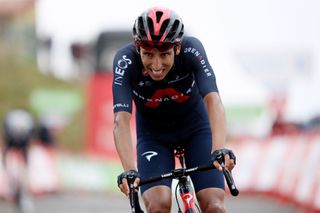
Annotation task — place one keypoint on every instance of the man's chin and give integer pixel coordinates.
(158, 77)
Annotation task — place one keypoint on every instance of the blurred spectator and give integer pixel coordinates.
(44, 135)
(18, 129)
(280, 125)
(313, 125)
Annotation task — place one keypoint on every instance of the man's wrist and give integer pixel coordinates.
(217, 148)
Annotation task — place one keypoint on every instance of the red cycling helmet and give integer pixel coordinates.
(159, 28)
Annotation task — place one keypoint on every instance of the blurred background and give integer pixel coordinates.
(56, 61)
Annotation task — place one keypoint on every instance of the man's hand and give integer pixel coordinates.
(127, 178)
(223, 157)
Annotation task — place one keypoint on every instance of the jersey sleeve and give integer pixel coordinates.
(196, 58)
(121, 85)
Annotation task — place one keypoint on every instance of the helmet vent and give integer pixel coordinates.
(141, 29)
(175, 25)
(174, 29)
(181, 33)
(164, 26)
(159, 15)
(150, 25)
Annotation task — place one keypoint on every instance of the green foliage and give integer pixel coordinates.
(19, 77)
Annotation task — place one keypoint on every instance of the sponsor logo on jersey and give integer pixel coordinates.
(149, 154)
(163, 95)
(119, 105)
(145, 83)
(120, 69)
(178, 78)
(167, 94)
(203, 62)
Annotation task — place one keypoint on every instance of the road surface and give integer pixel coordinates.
(83, 202)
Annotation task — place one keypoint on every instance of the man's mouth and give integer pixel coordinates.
(157, 71)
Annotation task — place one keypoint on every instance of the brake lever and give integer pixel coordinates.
(228, 176)
(133, 196)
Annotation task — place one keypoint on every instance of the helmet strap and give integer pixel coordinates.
(175, 48)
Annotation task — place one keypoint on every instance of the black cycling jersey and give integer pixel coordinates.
(190, 79)
(169, 112)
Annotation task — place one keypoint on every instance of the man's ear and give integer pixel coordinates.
(177, 48)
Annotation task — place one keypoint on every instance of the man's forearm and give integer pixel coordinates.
(125, 150)
(217, 119)
(123, 143)
(219, 128)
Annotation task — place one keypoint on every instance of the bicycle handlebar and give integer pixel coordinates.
(175, 174)
(185, 172)
(230, 182)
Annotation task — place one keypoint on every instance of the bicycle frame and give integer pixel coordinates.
(15, 168)
(186, 190)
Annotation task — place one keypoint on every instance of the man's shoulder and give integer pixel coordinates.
(189, 40)
(128, 50)
(126, 60)
(191, 44)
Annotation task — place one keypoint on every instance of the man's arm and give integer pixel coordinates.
(217, 120)
(123, 140)
(218, 125)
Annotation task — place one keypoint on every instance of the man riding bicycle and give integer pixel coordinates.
(173, 86)
(18, 126)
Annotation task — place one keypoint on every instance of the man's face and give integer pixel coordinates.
(158, 63)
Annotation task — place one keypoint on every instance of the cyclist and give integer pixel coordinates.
(173, 86)
(18, 126)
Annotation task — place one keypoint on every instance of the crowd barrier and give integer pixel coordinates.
(284, 167)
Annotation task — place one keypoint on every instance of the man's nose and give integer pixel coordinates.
(156, 63)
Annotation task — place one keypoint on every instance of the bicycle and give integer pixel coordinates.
(15, 167)
(184, 184)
